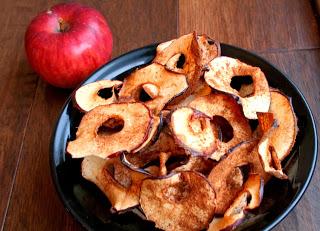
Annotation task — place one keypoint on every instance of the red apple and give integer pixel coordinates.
(65, 44)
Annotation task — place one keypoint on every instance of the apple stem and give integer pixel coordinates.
(63, 26)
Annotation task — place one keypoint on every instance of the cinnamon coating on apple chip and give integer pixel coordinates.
(221, 72)
(253, 192)
(162, 85)
(222, 109)
(269, 157)
(193, 132)
(182, 201)
(110, 129)
(95, 94)
(225, 178)
(285, 134)
(191, 137)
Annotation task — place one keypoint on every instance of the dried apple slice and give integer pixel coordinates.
(97, 134)
(182, 56)
(266, 150)
(249, 198)
(161, 84)
(120, 184)
(221, 72)
(217, 105)
(209, 49)
(193, 131)
(225, 178)
(88, 96)
(285, 134)
(183, 201)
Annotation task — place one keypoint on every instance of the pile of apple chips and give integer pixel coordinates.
(174, 137)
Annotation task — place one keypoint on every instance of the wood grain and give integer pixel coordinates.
(262, 25)
(34, 202)
(17, 89)
(283, 31)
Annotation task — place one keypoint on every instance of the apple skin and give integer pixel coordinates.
(65, 44)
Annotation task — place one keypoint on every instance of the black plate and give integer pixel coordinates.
(91, 208)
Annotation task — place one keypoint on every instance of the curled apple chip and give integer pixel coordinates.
(193, 131)
(159, 85)
(225, 177)
(284, 136)
(209, 49)
(222, 70)
(227, 114)
(182, 55)
(182, 201)
(95, 94)
(249, 198)
(120, 184)
(269, 157)
(110, 129)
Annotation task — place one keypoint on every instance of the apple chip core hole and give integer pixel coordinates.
(105, 93)
(210, 41)
(181, 61)
(176, 161)
(224, 127)
(243, 84)
(111, 126)
(144, 96)
(177, 192)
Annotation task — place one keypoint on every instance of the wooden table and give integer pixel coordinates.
(285, 32)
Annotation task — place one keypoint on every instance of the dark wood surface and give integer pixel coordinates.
(283, 31)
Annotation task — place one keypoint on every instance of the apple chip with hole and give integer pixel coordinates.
(120, 184)
(226, 74)
(111, 129)
(249, 198)
(182, 201)
(228, 175)
(228, 116)
(182, 55)
(193, 131)
(153, 85)
(95, 94)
